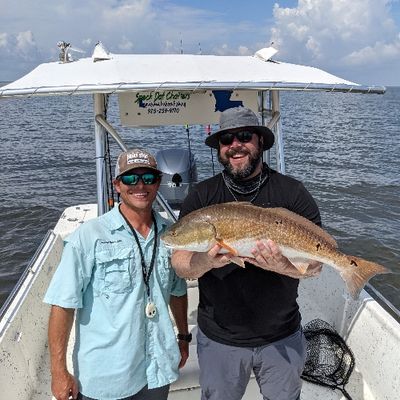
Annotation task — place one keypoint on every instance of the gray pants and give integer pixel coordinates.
(160, 393)
(225, 370)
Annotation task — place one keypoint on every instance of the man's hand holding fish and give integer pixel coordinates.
(202, 262)
(268, 256)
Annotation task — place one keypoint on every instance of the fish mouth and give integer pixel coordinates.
(167, 244)
(164, 238)
(173, 247)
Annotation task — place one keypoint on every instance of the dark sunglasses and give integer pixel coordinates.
(242, 136)
(148, 178)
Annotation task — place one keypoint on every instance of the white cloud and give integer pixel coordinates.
(25, 41)
(354, 37)
(87, 42)
(3, 39)
(222, 50)
(18, 53)
(126, 45)
(244, 51)
(226, 50)
(127, 9)
(142, 26)
(21, 44)
(132, 12)
(374, 54)
(336, 33)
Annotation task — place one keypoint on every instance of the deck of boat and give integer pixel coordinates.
(187, 387)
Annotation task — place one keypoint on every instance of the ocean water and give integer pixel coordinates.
(344, 147)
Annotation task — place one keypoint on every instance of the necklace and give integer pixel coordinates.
(231, 191)
(150, 309)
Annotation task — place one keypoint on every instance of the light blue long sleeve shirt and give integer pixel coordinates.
(118, 350)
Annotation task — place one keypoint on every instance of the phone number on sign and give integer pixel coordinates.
(170, 110)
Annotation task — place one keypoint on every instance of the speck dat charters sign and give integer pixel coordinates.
(176, 107)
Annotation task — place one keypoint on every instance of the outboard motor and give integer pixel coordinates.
(179, 174)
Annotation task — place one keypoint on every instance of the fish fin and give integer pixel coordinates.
(301, 221)
(227, 247)
(238, 261)
(301, 267)
(357, 272)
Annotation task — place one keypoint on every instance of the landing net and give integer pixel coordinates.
(329, 360)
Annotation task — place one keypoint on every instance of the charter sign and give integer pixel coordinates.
(176, 107)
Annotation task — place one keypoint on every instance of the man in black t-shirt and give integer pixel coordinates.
(248, 318)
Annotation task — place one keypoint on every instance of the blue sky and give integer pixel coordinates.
(358, 40)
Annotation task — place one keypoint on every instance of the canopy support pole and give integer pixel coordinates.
(270, 108)
(275, 107)
(265, 113)
(100, 146)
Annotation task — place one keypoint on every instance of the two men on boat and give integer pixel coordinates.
(116, 274)
(115, 278)
(248, 318)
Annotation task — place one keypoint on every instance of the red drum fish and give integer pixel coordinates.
(237, 226)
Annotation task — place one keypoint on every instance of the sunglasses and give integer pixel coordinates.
(148, 178)
(242, 136)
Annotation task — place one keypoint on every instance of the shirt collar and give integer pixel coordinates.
(115, 220)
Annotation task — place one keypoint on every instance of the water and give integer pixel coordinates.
(345, 148)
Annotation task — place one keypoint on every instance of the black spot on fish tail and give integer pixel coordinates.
(352, 262)
(318, 246)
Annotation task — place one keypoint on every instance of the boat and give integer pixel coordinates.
(180, 89)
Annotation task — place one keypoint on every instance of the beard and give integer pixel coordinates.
(245, 171)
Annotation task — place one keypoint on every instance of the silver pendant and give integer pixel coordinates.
(151, 310)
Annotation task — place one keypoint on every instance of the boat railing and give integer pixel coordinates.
(26, 277)
(383, 302)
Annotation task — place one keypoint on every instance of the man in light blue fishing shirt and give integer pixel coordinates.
(115, 278)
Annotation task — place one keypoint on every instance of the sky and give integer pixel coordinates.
(358, 40)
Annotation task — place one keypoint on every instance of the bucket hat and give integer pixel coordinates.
(240, 117)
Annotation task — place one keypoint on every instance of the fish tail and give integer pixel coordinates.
(356, 272)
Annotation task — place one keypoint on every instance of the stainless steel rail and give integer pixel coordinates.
(28, 274)
(383, 302)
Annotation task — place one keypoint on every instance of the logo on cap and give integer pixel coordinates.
(137, 158)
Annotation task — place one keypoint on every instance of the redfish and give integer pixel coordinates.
(237, 226)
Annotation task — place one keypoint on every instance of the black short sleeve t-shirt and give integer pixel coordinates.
(250, 307)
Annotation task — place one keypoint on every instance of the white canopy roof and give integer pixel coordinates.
(129, 72)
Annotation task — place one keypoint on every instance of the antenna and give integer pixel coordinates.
(65, 49)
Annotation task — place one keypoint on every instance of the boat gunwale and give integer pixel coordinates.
(27, 276)
(389, 307)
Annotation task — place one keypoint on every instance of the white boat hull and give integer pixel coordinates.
(371, 333)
